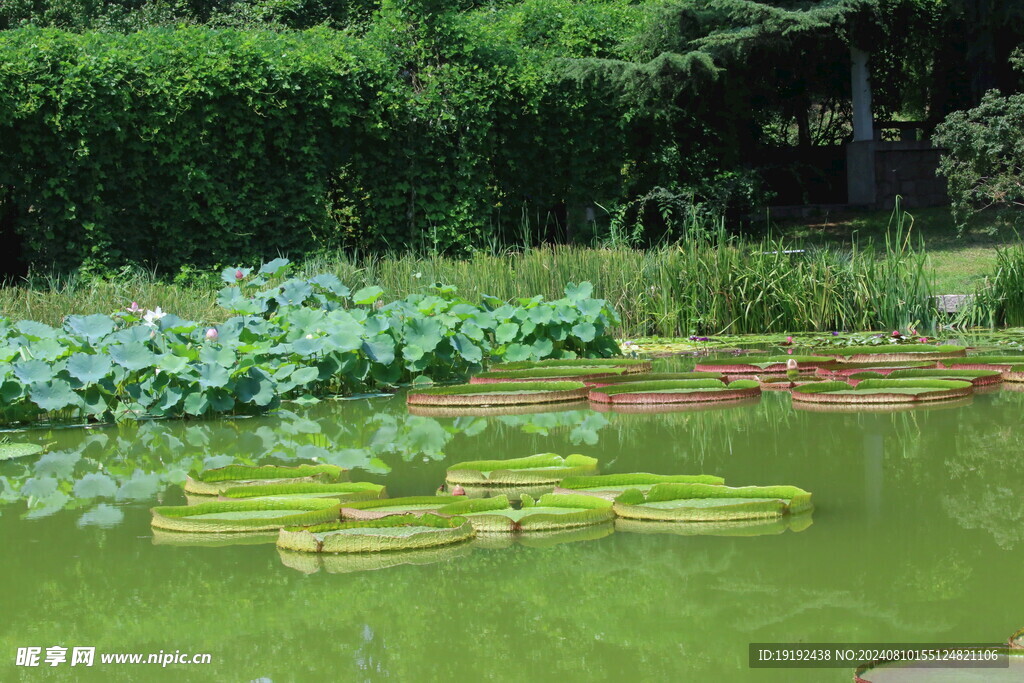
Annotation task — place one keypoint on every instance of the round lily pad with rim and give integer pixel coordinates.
(978, 378)
(551, 511)
(546, 539)
(494, 411)
(1011, 367)
(739, 527)
(9, 451)
(654, 377)
(346, 491)
(214, 482)
(532, 470)
(506, 393)
(629, 364)
(194, 540)
(785, 383)
(412, 505)
(586, 375)
(347, 563)
(761, 364)
(244, 515)
(611, 486)
(663, 408)
(883, 391)
(842, 370)
(397, 532)
(709, 503)
(675, 391)
(894, 352)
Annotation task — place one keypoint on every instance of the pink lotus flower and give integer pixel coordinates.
(211, 334)
(239, 275)
(790, 352)
(134, 308)
(896, 334)
(457, 490)
(789, 340)
(923, 339)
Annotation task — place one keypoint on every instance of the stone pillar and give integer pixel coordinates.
(860, 154)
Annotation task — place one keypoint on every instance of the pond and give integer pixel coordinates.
(917, 536)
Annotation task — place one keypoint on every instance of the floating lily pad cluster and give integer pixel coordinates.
(313, 511)
(605, 382)
(288, 338)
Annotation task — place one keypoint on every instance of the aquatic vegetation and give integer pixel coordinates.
(200, 540)
(551, 511)
(704, 502)
(398, 532)
(895, 352)
(286, 338)
(654, 377)
(417, 505)
(843, 370)
(587, 375)
(347, 563)
(762, 364)
(624, 364)
(213, 482)
(342, 491)
(768, 526)
(244, 515)
(883, 391)
(9, 451)
(785, 382)
(677, 391)
(609, 486)
(542, 468)
(1011, 367)
(505, 393)
(976, 377)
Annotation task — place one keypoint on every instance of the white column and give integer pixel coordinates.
(860, 80)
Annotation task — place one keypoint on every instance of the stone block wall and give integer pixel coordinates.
(907, 168)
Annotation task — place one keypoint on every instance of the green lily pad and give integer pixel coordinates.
(9, 451)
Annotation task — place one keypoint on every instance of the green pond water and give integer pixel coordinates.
(917, 536)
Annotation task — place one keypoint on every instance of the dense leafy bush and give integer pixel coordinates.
(289, 338)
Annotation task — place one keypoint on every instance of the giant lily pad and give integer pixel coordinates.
(732, 527)
(398, 532)
(545, 539)
(551, 511)
(610, 486)
(194, 540)
(341, 491)
(542, 468)
(976, 377)
(758, 364)
(894, 352)
(215, 481)
(627, 364)
(709, 503)
(512, 393)
(411, 505)
(1011, 367)
(245, 515)
(345, 563)
(678, 391)
(588, 375)
(653, 377)
(491, 411)
(842, 370)
(9, 451)
(883, 391)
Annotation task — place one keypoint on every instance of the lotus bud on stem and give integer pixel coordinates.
(457, 490)
(792, 369)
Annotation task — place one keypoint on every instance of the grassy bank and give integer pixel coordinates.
(710, 287)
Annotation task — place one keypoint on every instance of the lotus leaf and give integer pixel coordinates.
(9, 451)
(542, 468)
(88, 368)
(397, 532)
(244, 515)
(706, 503)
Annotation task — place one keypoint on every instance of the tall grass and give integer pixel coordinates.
(711, 284)
(999, 300)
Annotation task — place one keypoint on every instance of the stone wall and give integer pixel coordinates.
(907, 168)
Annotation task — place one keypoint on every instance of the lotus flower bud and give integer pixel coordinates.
(789, 340)
(923, 340)
(239, 275)
(134, 308)
(211, 334)
(458, 490)
(791, 364)
(896, 333)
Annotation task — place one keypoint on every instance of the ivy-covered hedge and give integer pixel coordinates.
(289, 338)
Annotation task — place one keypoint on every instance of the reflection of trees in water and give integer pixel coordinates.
(985, 479)
(137, 461)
